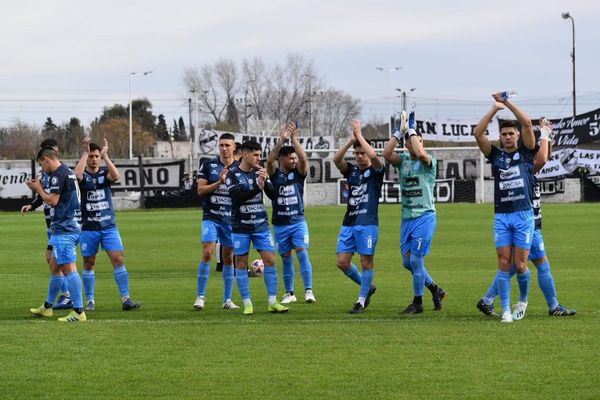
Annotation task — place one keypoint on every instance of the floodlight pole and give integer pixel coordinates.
(133, 75)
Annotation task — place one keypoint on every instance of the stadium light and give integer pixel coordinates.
(133, 75)
(567, 15)
(389, 114)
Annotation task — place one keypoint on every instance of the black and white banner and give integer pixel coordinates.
(207, 143)
(566, 161)
(570, 132)
(452, 130)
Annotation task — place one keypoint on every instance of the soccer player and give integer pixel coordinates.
(64, 301)
(289, 224)
(512, 168)
(216, 220)
(537, 254)
(63, 196)
(360, 227)
(418, 171)
(246, 183)
(98, 222)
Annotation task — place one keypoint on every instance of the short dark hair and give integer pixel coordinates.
(46, 152)
(510, 124)
(94, 147)
(238, 147)
(357, 143)
(228, 136)
(50, 142)
(286, 151)
(251, 145)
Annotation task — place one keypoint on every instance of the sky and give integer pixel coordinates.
(71, 58)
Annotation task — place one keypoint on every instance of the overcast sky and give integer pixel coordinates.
(69, 58)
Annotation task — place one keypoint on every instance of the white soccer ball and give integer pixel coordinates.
(257, 267)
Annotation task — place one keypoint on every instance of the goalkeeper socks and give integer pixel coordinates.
(89, 283)
(122, 279)
(305, 268)
(503, 284)
(523, 281)
(74, 281)
(432, 287)
(56, 282)
(288, 272)
(417, 265)
(270, 277)
(418, 300)
(227, 282)
(546, 283)
(354, 274)
(241, 276)
(365, 285)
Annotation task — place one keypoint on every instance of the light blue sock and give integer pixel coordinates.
(288, 273)
(492, 292)
(367, 279)
(65, 289)
(270, 277)
(122, 279)
(305, 268)
(523, 281)
(203, 273)
(417, 266)
(227, 282)
(503, 282)
(546, 283)
(241, 277)
(354, 274)
(74, 281)
(89, 283)
(427, 279)
(56, 281)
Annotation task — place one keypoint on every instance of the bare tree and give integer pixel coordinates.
(19, 141)
(333, 111)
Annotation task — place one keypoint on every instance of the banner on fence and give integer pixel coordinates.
(566, 161)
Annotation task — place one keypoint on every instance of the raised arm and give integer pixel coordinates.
(302, 160)
(338, 158)
(80, 167)
(544, 152)
(369, 151)
(113, 172)
(283, 137)
(526, 126)
(389, 151)
(482, 141)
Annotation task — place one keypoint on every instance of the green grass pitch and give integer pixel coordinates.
(317, 351)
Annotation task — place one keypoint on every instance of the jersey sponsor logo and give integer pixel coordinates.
(222, 189)
(410, 181)
(252, 208)
(288, 190)
(253, 221)
(354, 201)
(102, 205)
(359, 190)
(513, 184)
(510, 173)
(220, 200)
(213, 165)
(96, 195)
(287, 201)
(412, 193)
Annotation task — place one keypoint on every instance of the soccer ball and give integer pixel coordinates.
(256, 268)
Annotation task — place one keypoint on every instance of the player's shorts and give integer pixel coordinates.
(262, 241)
(110, 239)
(514, 228)
(49, 245)
(213, 231)
(361, 239)
(288, 237)
(416, 234)
(538, 250)
(64, 247)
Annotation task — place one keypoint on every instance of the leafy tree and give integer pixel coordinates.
(162, 132)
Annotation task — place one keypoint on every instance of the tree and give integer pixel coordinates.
(116, 132)
(162, 132)
(19, 141)
(175, 131)
(49, 127)
(333, 111)
(141, 113)
(182, 134)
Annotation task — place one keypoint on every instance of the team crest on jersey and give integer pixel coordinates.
(228, 181)
(367, 173)
(54, 180)
(101, 180)
(291, 176)
(516, 157)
